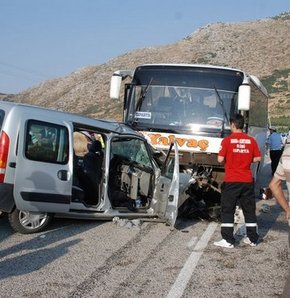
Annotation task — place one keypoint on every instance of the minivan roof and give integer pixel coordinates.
(105, 125)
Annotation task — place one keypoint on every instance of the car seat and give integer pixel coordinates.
(92, 172)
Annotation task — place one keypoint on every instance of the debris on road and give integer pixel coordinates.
(127, 223)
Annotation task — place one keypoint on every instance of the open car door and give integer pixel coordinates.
(165, 203)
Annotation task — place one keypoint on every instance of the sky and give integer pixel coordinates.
(48, 39)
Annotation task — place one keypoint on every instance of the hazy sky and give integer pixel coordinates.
(46, 39)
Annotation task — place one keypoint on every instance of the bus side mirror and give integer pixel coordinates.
(244, 97)
(115, 87)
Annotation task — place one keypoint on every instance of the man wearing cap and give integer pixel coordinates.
(275, 145)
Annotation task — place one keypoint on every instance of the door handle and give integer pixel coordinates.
(62, 175)
(12, 164)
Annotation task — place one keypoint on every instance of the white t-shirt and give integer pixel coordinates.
(283, 168)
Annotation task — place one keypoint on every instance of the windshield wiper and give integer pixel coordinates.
(143, 95)
(140, 101)
(221, 103)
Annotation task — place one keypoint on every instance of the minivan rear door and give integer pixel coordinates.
(43, 174)
(165, 203)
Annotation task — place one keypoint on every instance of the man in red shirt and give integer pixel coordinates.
(238, 151)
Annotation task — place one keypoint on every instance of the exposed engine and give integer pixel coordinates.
(203, 194)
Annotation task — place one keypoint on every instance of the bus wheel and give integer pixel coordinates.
(26, 222)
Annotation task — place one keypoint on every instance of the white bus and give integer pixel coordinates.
(192, 104)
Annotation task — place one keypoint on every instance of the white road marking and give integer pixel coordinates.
(186, 272)
(192, 242)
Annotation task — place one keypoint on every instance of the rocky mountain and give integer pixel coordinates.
(261, 48)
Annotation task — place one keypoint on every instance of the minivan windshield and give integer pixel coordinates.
(131, 149)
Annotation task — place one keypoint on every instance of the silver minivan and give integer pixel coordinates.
(60, 164)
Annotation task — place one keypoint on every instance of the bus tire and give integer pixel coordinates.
(26, 222)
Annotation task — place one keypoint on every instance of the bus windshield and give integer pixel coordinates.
(183, 99)
(185, 107)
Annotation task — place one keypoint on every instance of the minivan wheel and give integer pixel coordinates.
(26, 222)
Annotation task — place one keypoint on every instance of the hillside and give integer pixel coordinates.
(261, 48)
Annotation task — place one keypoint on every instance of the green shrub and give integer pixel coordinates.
(269, 81)
(282, 16)
(282, 121)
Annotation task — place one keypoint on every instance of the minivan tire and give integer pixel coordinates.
(26, 222)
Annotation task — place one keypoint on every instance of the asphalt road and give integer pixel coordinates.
(103, 259)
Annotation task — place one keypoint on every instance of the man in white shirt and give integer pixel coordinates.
(283, 174)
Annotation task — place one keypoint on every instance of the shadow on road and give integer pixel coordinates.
(34, 260)
(35, 251)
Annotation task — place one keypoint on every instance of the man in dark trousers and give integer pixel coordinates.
(283, 174)
(275, 145)
(238, 151)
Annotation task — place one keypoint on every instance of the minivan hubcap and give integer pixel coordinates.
(32, 220)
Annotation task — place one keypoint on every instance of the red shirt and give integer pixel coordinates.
(239, 149)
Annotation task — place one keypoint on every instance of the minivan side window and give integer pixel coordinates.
(46, 142)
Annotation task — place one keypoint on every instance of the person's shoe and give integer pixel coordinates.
(249, 242)
(223, 243)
